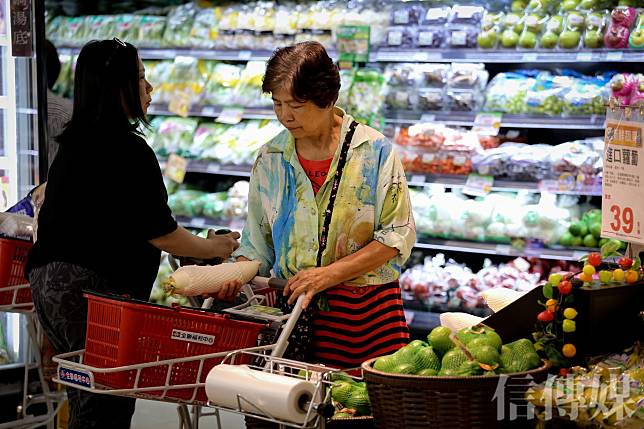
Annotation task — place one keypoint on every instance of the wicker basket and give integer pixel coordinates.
(410, 401)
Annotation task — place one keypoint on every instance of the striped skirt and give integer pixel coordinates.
(361, 323)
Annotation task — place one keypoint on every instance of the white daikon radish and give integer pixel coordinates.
(197, 280)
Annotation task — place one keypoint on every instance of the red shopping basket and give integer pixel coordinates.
(13, 257)
(123, 332)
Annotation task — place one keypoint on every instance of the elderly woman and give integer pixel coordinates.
(329, 210)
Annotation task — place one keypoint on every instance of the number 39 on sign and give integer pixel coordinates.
(622, 219)
(623, 178)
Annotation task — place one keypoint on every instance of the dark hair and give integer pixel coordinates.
(307, 71)
(52, 64)
(106, 89)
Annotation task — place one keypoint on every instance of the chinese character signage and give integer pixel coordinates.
(623, 192)
(22, 36)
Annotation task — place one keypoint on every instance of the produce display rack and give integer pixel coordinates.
(408, 55)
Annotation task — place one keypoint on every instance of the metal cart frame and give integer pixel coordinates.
(74, 373)
(52, 400)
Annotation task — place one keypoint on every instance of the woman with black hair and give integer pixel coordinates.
(105, 217)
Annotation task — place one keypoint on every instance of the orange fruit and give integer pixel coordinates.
(585, 278)
(569, 350)
(551, 305)
(632, 276)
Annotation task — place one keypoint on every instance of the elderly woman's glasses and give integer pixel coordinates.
(118, 45)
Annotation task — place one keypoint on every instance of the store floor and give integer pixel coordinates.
(161, 415)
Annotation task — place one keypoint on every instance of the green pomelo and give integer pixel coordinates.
(486, 354)
(440, 340)
(359, 401)
(341, 392)
(385, 363)
(453, 359)
(427, 359)
(427, 372)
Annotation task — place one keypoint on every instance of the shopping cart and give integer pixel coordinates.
(15, 297)
(181, 380)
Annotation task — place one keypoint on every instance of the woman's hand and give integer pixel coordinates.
(223, 244)
(227, 292)
(309, 282)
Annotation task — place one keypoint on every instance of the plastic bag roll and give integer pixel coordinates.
(285, 398)
(196, 280)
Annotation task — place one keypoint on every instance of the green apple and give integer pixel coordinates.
(509, 39)
(593, 39)
(569, 39)
(588, 4)
(594, 21)
(487, 39)
(513, 22)
(534, 23)
(637, 41)
(575, 21)
(518, 5)
(569, 5)
(528, 40)
(549, 40)
(555, 24)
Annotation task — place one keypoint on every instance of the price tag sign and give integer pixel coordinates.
(417, 178)
(175, 168)
(585, 56)
(427, 117)
(529, 57)
(180, 105)
(478, 185)
(487, 124)
(208, 111)
(614, 56)
(353, 43)
(230, 115)
(623, 180)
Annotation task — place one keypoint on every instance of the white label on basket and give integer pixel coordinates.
(193, 337)
(75, 376)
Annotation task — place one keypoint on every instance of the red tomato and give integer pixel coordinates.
(565, 287)
(595, 259)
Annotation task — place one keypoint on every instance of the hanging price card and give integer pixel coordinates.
(623, 180)
(478, 185)
(487, 124)
(175, 168)
(230, 116)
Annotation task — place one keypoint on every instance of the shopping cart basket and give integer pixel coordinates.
(15, 297)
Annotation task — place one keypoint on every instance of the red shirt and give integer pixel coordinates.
(316, 171)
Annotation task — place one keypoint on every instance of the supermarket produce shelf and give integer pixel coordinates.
(454, 181)
(451, 181)
(506, 56)
(200, 222)
(201, 166)
(213, 111)
(464, 119)
(408, 55)
(594, 122)
(503, 249)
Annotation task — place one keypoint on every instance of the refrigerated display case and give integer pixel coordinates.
(20, 131)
